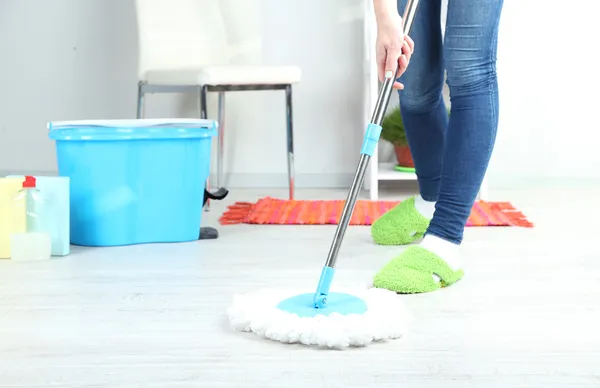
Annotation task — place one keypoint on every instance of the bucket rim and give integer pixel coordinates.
(131, 129)
(131, 123)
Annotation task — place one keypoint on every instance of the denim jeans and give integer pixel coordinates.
(451, 153)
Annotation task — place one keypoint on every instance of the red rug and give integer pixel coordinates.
(305, 212)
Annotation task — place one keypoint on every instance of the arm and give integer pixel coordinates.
(385, 10)
(393, 49)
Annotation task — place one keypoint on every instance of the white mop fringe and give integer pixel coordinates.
(257, 312)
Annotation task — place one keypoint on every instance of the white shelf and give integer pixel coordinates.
(386, 172)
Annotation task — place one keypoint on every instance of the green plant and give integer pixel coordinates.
(392, 128)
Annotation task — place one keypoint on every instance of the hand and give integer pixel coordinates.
(393, 49)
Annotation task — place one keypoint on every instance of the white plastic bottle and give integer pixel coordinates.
(35, 244)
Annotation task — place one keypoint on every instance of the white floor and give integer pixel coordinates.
(527, 314)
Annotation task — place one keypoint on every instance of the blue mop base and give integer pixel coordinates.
(303, 305)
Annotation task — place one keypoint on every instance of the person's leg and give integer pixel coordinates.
(470, 60)
(421, 104)
(425, 119)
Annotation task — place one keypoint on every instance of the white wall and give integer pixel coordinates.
(75, 59)
(549, 84)
(61, 59)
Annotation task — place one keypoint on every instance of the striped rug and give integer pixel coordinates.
(306, 212)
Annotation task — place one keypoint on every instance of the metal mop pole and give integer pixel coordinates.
(369, 144)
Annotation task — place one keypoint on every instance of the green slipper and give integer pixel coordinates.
(412, 272)
(400, 226)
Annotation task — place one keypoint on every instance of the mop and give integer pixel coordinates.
(323, 318)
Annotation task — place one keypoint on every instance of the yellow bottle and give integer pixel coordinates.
(12, 213)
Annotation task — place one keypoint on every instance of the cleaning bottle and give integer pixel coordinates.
(12, 219)
(56, 213)
(35, 243)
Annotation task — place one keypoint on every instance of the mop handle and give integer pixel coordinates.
(369, 146)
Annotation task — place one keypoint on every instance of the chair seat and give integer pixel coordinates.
(225, 75)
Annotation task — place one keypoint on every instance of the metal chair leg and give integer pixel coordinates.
(202, 104)
(140, 101)
(290, 139)
(221, 139)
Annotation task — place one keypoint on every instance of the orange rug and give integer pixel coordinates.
(305, 212)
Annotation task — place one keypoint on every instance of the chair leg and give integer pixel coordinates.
(202, 104)
(290, 139)
(140, 101)
(221, 139)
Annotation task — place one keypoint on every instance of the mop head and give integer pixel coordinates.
(259, 312)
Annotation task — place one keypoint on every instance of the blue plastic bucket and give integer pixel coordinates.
(134, 181)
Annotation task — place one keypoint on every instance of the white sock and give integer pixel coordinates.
(426, 208)
(445, 250)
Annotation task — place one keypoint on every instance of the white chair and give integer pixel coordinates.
(190, 46)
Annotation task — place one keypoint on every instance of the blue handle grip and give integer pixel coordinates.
(370, 140)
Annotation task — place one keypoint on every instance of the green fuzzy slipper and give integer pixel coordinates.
(412, 271)
(400, 226)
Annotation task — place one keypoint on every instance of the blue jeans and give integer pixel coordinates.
(451, 154)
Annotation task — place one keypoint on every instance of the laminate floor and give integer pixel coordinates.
(527, 313)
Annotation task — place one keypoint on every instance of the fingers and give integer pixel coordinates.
(391, 59)
(408, 47)
(394, 57)
(402, 65)
(411, 43)
(380, 58)
(404, 60)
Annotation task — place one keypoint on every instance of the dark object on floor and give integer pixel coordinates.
(206, 232)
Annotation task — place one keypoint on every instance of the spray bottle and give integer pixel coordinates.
(35, 243)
